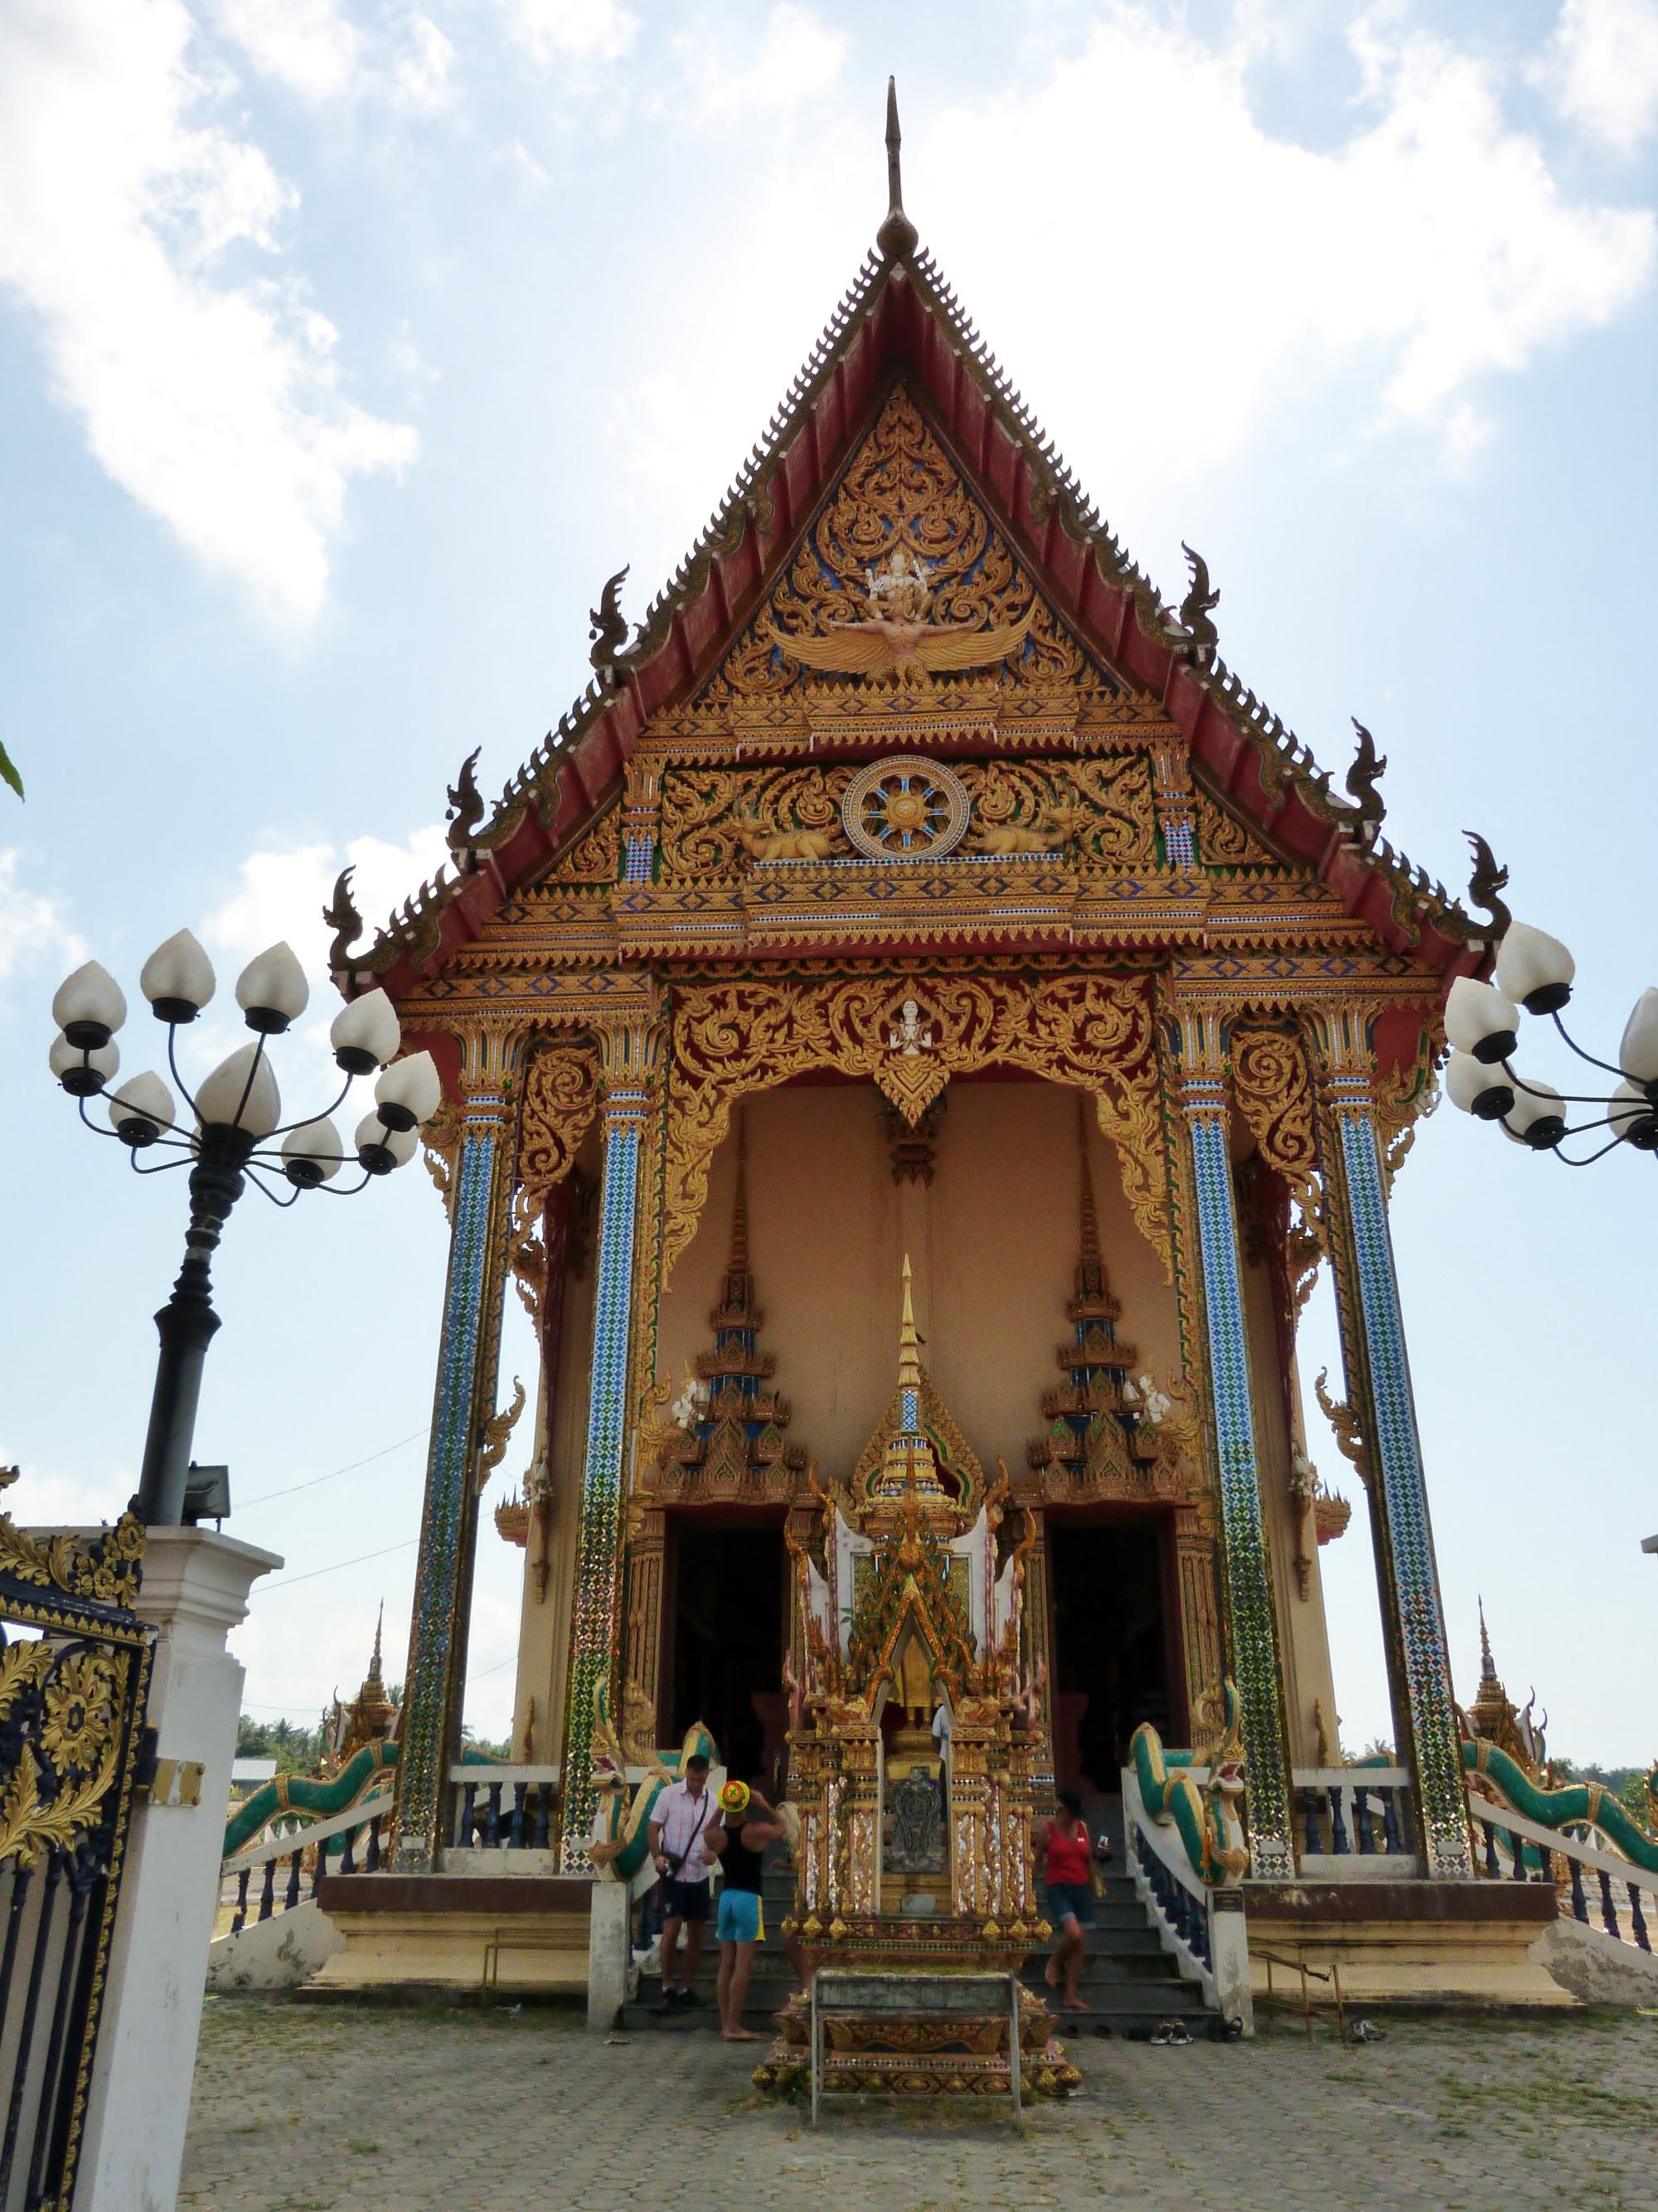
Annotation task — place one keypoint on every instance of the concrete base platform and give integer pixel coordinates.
(1425, 1943)
(428, 1935)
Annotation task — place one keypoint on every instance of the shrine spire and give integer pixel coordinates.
(897, 235)
(909, 1365)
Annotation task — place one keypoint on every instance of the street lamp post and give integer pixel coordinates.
(238, 1115)
(1534, 972)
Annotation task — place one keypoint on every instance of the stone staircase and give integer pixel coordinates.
(1128, 1981)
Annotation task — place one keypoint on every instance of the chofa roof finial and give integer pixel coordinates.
(909, 1344)
(897, 235)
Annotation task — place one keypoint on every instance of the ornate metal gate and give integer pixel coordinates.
(74, 1668)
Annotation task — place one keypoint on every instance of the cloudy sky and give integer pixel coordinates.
(347, 345)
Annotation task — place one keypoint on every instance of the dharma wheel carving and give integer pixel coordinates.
(905, 808)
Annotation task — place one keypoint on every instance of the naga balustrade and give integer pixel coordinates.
(482, 1822)
(1357, 1823)
(302, 1841)
(1201, 1926)
(1504, 1857)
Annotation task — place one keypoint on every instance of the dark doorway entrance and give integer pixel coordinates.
(1111, 1660)
(728, 1596)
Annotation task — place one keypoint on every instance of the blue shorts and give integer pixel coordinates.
(1071, 1900)
(684, 1900)
(739, 1917)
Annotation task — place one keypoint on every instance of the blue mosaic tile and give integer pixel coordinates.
(1248, 1583)
(598, 1566)
(423, 1755)
(1441, 1810)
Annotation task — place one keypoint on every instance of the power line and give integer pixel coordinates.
(288, 1581)
(249, 1504)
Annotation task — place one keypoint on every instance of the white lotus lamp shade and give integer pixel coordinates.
(89, 1007)
(1638, 1055)
(410, 1091)
(143, 1098)
(221, 1100)
(312, 1152)
(178, 979)
(271, 991)
(1537, 1114)
(83, 1073)
(367, 1034)
(381, 1149)
(1480, 1020)
(1630, 1105)
(1534, 968)
(1477, 1089)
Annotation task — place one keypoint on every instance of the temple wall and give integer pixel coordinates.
(993, 1243)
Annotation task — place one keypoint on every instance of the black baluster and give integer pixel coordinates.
(240, 1920)
(1608, 1910)
(45, 2127)
(1492, 1867)
(466, 1835)
(515, 1826)
(1580, 1909)
(372, 1864)
(1309, 1806)
(319, 1866)
(20, 1879)
(1338, 1842)
(1201, 1935)
(267, 1895)
(492, 1819)
(26, 2032)
(1517, 1848)
(291, 1894)
(1390, 1821)
(544, 1810)
(1636, 1921)
(1363, 1833)
(349, 1855)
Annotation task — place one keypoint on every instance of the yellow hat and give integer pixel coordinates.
(735, 1796)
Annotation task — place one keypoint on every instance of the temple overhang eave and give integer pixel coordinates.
(900, 320)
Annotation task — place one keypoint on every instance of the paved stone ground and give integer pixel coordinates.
(300, 2108)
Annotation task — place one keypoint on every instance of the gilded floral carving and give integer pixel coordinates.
(561, 1098)
(908, 1031)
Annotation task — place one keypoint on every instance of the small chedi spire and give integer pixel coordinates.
(1488, 1684)
(897, 235)
(909, 1344)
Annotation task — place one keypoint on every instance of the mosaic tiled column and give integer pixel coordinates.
(1423, 1669)
(628, 1059)
(435, 1681)
(1248, 1570)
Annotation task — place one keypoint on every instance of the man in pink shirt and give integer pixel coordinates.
(680, 1819)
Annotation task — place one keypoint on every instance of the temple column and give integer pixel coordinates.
(468, 1354)
(630, 1055)
(1378, 1378)
(1248, 1575)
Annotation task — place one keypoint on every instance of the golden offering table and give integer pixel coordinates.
(901, 2031)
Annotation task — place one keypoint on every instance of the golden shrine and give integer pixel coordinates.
(915, 927)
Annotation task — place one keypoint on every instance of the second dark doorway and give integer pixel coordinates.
(727, 1585)
(1111, 1667)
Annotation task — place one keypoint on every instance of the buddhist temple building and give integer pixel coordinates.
(912, 1032)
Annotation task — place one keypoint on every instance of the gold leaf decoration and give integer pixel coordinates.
(1223, 841)
(595, 858)
(909, 1033)
(1274, 1087)
(561, 1098)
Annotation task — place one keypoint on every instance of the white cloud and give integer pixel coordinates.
(570, 30)
(217, 407)
(313, 49)
(1211, 270)
(309, 45)
(283, 891)
(799, 54)
(34, 927)
(1601, 68)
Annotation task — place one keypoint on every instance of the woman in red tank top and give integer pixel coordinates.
(1065, 1848)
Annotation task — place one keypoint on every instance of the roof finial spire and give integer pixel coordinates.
(897, 235)
(374, 1663)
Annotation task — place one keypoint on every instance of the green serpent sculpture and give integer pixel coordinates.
(622, 1827)
(1209, 1828)
(1586, 1804)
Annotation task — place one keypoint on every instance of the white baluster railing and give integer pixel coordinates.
(1355, 1823)
(1502, 1859)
